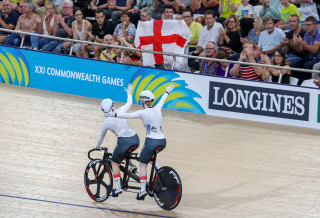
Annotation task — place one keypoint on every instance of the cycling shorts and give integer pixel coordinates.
(122, 148)
(149, 148)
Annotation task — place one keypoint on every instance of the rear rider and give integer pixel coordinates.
(127, 137)
(152, 120)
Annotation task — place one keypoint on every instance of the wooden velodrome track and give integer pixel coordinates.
(229, 168)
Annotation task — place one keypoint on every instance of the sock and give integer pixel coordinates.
(143, 182)
(157, 166)
(116, 179)
(131, 164)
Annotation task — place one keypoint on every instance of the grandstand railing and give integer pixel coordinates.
(163, 53)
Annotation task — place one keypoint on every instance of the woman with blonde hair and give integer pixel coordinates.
(230, 35)
(254, 34)
(46, 25)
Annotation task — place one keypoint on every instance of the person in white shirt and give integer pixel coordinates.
(210, 32)
(245, 10)
(127, 137)
(151, 117)
(307, 8)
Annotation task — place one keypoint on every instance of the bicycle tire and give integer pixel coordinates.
(167, 188)
(98, 179)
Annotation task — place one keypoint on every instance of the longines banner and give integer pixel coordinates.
(249, 100)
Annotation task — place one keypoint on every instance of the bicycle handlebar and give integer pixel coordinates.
(95, 149)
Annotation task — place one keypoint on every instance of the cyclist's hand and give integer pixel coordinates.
(129, 89)
(110, 114)
(169, 88)
(97, 148)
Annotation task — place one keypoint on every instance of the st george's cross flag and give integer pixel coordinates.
(163, 36)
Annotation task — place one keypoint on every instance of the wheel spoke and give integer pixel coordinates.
(98, 189)
(93, 181)
(104, 184)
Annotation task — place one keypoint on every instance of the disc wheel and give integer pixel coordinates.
(98, 180)
(167, 188)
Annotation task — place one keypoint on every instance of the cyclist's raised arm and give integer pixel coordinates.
(127, 106)
(165, 95)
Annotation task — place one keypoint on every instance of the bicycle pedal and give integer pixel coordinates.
(114, 194)
(140, 198)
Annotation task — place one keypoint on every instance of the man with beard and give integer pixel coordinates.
(270, 39)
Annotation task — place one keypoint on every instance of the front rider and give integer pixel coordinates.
(127, 137)
(152, 119)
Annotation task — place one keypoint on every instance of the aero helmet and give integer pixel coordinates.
(146, 96)
(106, 105)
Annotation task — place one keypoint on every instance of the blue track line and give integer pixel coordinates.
(79, 205)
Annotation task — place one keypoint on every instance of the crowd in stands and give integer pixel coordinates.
(281, 33)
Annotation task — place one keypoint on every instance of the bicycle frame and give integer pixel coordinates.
(127, 174)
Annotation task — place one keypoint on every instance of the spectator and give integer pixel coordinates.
(160, 6)
(228, 7)
(245, 14)
(26, 23)
(222, 66)
(146, 14)
(194, 27)
(80, 28)
(8, 20)
(248, 72)
(110, 54)
(291, 50)
(115, 8)
(245, 10)
(210, 32)
(230, 35)
(129, 56)
(209, 5)
(254, 34)
(63, 29)
(287, 10)
(208, 67)
(45, 27)
(167, 13)
(136, 11)
(270, 10)
(41, 11)
(279, 59)
(309, 46)
(270, 39)
(100, 29)
(108, 40)
(125, 28)
(307, 8)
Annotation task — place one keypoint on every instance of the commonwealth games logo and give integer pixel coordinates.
(181, 98)
(14, 67)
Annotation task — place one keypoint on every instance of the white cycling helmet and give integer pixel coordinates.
(106, 105)
(146, 96)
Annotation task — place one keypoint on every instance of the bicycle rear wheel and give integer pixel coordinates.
(167, 188)
(98, 180)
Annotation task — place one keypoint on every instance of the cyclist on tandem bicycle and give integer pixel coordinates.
(127, 137)
(155, 140)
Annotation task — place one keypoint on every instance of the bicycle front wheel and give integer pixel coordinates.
(167, 188)
(98, 180)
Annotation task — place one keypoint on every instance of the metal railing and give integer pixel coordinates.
(281, 68)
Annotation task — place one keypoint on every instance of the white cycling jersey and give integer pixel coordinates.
(120, 127)
(151, 118)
